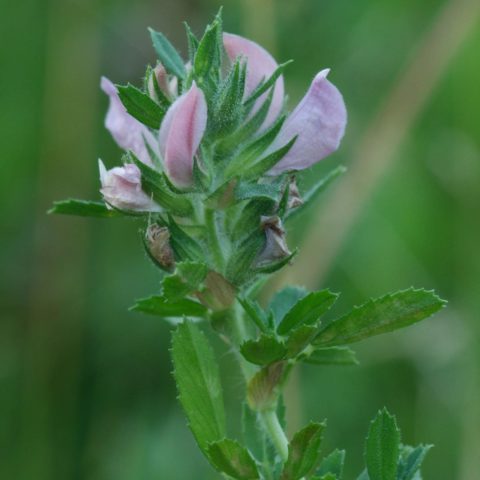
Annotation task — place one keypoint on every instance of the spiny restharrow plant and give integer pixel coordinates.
(209, 169)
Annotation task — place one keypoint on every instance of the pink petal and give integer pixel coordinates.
(128, 132)
(319, 120)
(181, 133)
(260, 66)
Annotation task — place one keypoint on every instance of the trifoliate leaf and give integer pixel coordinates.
(382, 447)
(229, 457)
(307, 311)
(198, 381)
(332, 464)
(158, 305)
(140, 106)
(411, 460)
(167, 54)
(381, 315)
(303, 452)
(263, 351)
(83, 208)
(331, 356)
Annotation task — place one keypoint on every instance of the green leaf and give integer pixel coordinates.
(209, 51)
(158, 305)
(332, 464)
(263, 351)
(255, 313)
(83, 208)
(299, 338)
(363, 476)
(381, 315)
(284, 300)
(307, 311)
(167, 54)
(192, 42)
(310, 197)
(246, 191)
(187, 278)
(153, 183)
(183, 244)
(253, 433)
(303, 452)
(411, 460)
(382, 447)
(198, 381)
(140, 106)
(229, 457)
(331, 356)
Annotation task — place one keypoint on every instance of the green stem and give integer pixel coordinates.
(276, 433)
(214, 240)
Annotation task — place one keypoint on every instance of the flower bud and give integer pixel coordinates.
(181, 133)
(260, 66)
(276, 243)
(167, 86)
(157, 240)
(122, 189)
(128, 132)
(319, 123)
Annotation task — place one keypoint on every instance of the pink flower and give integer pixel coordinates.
(168, 85)
(319, 120)
(260, 66)
(121, 188)
(181, 132)
(128, 132)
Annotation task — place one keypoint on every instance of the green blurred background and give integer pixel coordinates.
(85, 386)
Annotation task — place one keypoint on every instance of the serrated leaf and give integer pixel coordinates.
(167, 54)
(299, 338)
(382, 447)
(83, 208)
(187, 278)
(411, 461)
(198, 381)
(158, 305)
(332, 464)
(284, 300)
(263, 351)
(229, 457)
(331, 356)
(307, 311)
(381, 315)
(303, 452)
(140, 106)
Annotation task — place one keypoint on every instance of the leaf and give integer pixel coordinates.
(411, 461)
(183, 244)
(263, 351)
(192, 42)
(381, 315)
(140, 106)
(382, 447)
(307, 311)
(198, 381)
(83, 208)
(299, 338)
(331, 356)
(303, 452)
(187, 278)
(229, 457)
(332, 464)
(247, 191)
(167, 54)
(255, 313)
(284, 300)
(158, 305)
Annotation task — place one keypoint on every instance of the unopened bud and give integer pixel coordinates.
(166, 85)
(276, 244)
(158, 244)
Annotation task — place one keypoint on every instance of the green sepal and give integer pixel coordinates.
(187, 278)
(249, 219)
(268, 191)
(153, 183)
(304, 452)
(183, 244)
(307, 311)
(192, 42)
(233, 459)
(140, 106)
(330, 356)
(411, 460)
(332, 464)
(380, 315)
(163, 307)
(83, 208)
(167, 54)
(197, 377)
(264, 350)
(382, 447)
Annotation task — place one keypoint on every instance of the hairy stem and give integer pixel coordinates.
(276, 433)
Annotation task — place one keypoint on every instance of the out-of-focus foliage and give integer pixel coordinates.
(85, 386)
